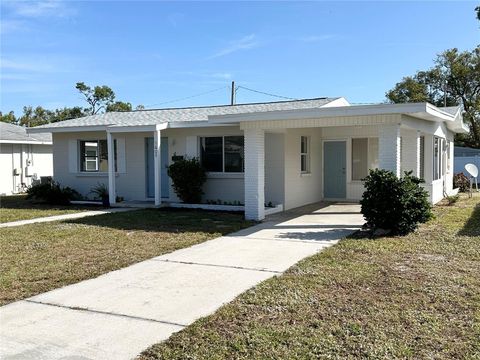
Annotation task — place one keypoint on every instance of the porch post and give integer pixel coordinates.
(389, 148)
(254, 174)
(111, 169)
(157, 166)
(411, 151)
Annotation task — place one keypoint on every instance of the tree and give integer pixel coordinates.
(453, 80)
(97, 98)
(477, 9)
(119, 106)
(35, 117)
(67, 114)
(8, 118)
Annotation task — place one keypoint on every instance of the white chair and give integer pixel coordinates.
(473, 172)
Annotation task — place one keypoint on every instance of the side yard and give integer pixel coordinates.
(40, 257)
(416, 296)
(16, 207)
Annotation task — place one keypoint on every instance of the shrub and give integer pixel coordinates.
(52, 193)
(462, 182)
(101, 192)
(188, 177)
(395, 204)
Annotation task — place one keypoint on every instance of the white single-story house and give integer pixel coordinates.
(289, 152)
(24, 158)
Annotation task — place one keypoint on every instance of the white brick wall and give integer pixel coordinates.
(254, 174)
(389, 148)
(411, 151)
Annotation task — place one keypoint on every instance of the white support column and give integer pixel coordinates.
(389, 148)
(254, 174)
(411, 151)
(111, 170)
(157, 166)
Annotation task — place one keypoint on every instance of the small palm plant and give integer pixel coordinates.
(101, 191)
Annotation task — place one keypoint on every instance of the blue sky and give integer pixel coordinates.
(154, 52)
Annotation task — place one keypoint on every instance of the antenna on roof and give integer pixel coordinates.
(232, 96)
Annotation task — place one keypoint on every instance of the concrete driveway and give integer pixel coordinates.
(119, 314)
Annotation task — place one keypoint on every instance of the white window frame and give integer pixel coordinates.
(438, 158)
(97, 161)
(305, 154)
(223, 153)
(369, 140)
(422, 157)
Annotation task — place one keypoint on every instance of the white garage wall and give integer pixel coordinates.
(37, 157)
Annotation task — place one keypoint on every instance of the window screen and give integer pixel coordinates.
(359, 158)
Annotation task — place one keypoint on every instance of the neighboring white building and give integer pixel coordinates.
(23, 158)
(290, 152)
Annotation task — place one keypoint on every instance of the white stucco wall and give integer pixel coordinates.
(131, 184)
(20, 156)
(284, 182)
(355, 188)
(302, 189)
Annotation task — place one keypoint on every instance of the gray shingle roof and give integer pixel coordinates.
(152, 117)
(10, 132)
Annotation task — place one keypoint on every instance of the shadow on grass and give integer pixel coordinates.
(472, 226)
(21, 202)
(169, 220)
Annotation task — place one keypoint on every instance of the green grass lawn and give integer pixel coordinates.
(16, 207)
(414, 297)
(40, 257)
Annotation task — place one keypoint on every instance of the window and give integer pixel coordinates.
(94, 155)
(305, 154)
(364, 157)
(222, 153)
(439, 157)
(422, 157)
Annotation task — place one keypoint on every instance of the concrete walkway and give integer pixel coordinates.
(119, 314)
(78, 215)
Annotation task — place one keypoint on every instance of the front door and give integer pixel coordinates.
(334, 169)
(151, 167)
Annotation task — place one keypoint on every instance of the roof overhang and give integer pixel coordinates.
(66, 129)
(419, 110)
(423, 111)
(126, 128)
(28, 142)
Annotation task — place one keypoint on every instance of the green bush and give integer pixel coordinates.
(52, 193)
(462, 182)
(395, 204)
(188, 177)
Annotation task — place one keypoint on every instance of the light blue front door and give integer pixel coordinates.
(150, 167)
(334, 169)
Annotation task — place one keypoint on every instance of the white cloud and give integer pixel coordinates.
(42, 8)
(7, 64)
(245, 43)
(221, 75)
